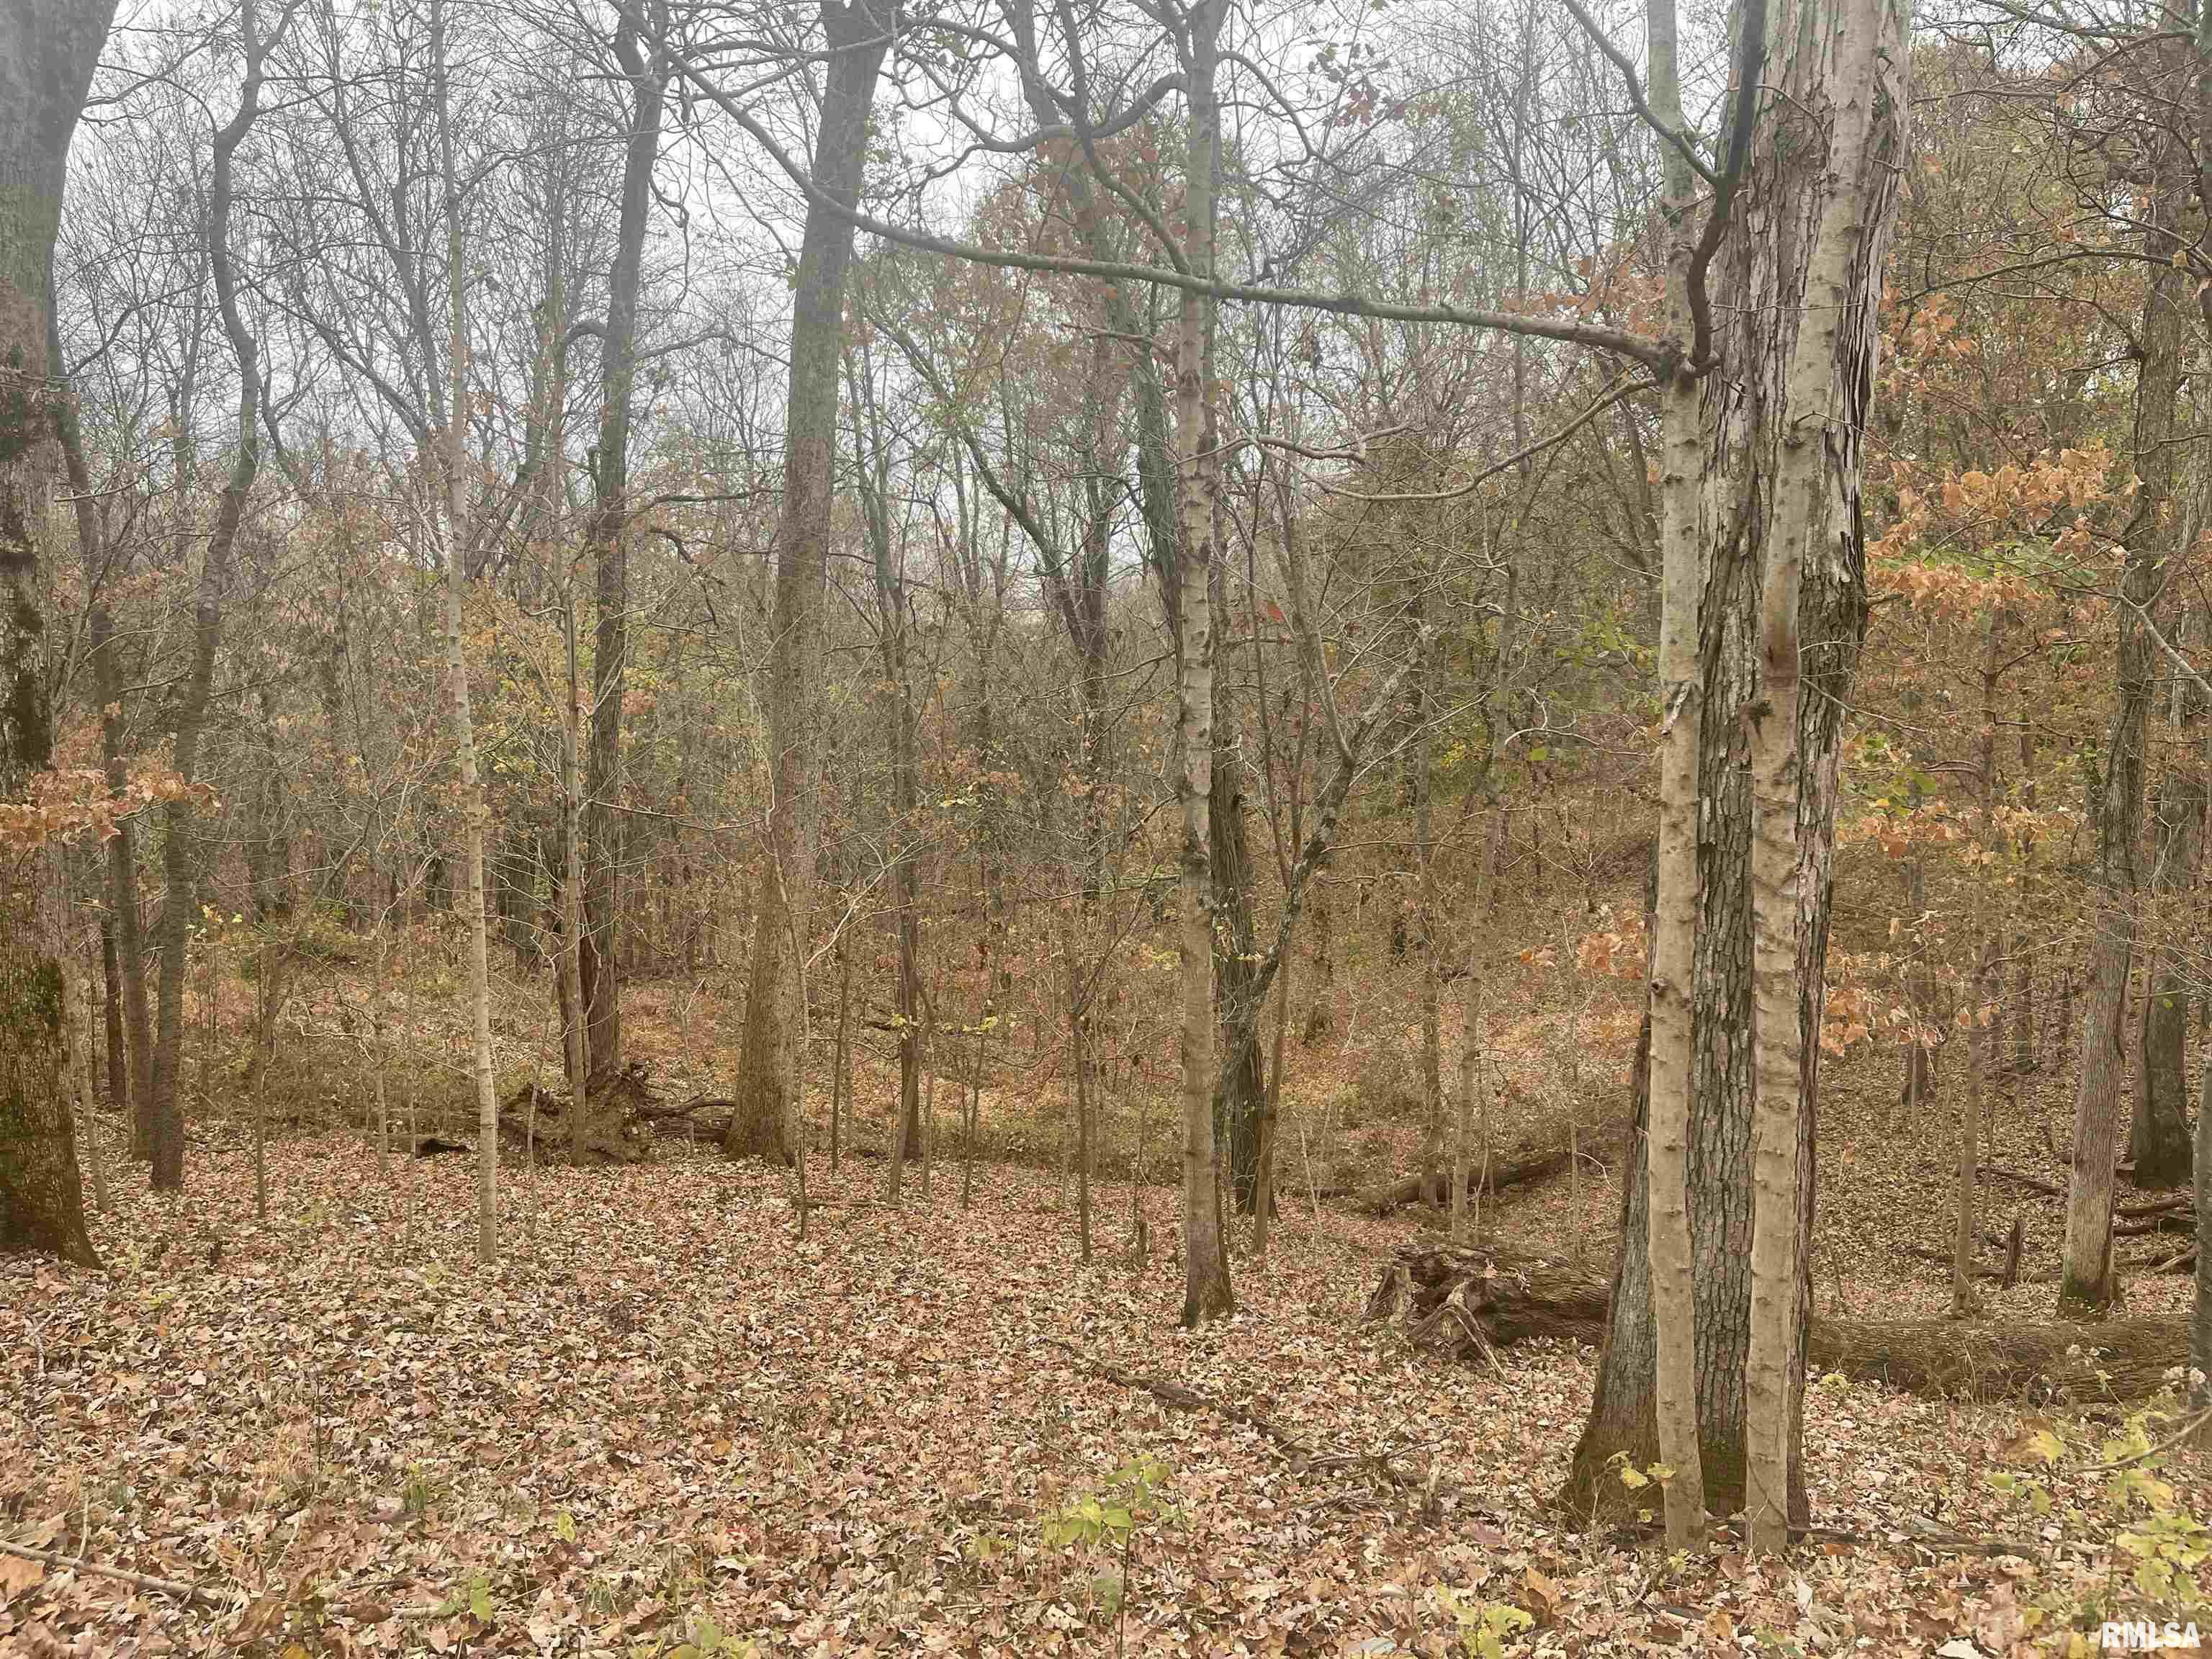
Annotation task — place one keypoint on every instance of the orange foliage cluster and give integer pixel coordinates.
(1953, 547)
(66, 802)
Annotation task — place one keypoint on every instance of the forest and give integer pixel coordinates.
(1120, 826)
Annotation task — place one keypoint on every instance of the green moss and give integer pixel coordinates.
(26, 737)
(32, 1001)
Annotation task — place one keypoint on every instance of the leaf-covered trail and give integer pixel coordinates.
(665, 1411)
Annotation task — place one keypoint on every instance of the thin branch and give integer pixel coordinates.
(1653, 354)
(1678, 135)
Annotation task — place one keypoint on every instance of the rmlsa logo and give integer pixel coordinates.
(2146, 1636)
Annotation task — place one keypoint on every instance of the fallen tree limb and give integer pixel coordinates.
(1942, 1258)
(1462, 1302)
(2154, 1206)
(191, 1593)
(1303, 1456)
(2033, 1184)
(1538, 1156)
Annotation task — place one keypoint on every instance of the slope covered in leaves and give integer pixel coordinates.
(663, 1419)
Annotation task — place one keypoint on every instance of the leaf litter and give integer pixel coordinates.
(661, 1422)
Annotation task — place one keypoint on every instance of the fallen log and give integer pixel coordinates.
(1466, 1303)
(2171, 1221)
(2178, 1202)
(1539, 1157)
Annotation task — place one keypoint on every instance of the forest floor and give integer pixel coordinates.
(662, 1418)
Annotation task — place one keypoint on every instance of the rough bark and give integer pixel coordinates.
(450, 517)
(1669, 1011)
(771, 1058)
(48, 49)
(1241, 1092)
(2159, 1135)
(1207, 1294)
(1815, 485)
(2089, 1286)
(645, 64)
(1759, 272)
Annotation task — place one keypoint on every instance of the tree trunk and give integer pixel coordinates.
(179, 905)
(1980, 1043)
(123, 949)
(1847, 61)
(111, 971)
(1666, 1069)
(2158, 1137)
(1428, 916)
(2089, 1286)
(576, 1005)
(1207, 1294)
(450, 513)
(770, 1059)
(1820, 382)
(48, 49)
(645, 64)
(2200, 1342)
(1241, 1091)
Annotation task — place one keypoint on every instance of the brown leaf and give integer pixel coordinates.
(263, 1614)
(18, 1574)
(1544, 1592)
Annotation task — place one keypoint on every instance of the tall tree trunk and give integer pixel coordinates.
(1843, 60)
(1821, 377)
(130, 1034)
(1670, 1013)
(892, 617)
(2088, 1284)
(451, 512)
(1985, 1043)
(1207, 1294)
(1428, 917)
(1241, 1089)
(48, 49)
(576, 1020)
(111, 973)
(645, 64)
(771, 1060)
(178, 861)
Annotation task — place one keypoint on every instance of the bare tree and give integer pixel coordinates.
(772, 1059)
(644, 61)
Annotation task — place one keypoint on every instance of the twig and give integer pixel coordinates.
(2190, 1425)
(1175, 1393)
(2033, 1183)
(167, 1586)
